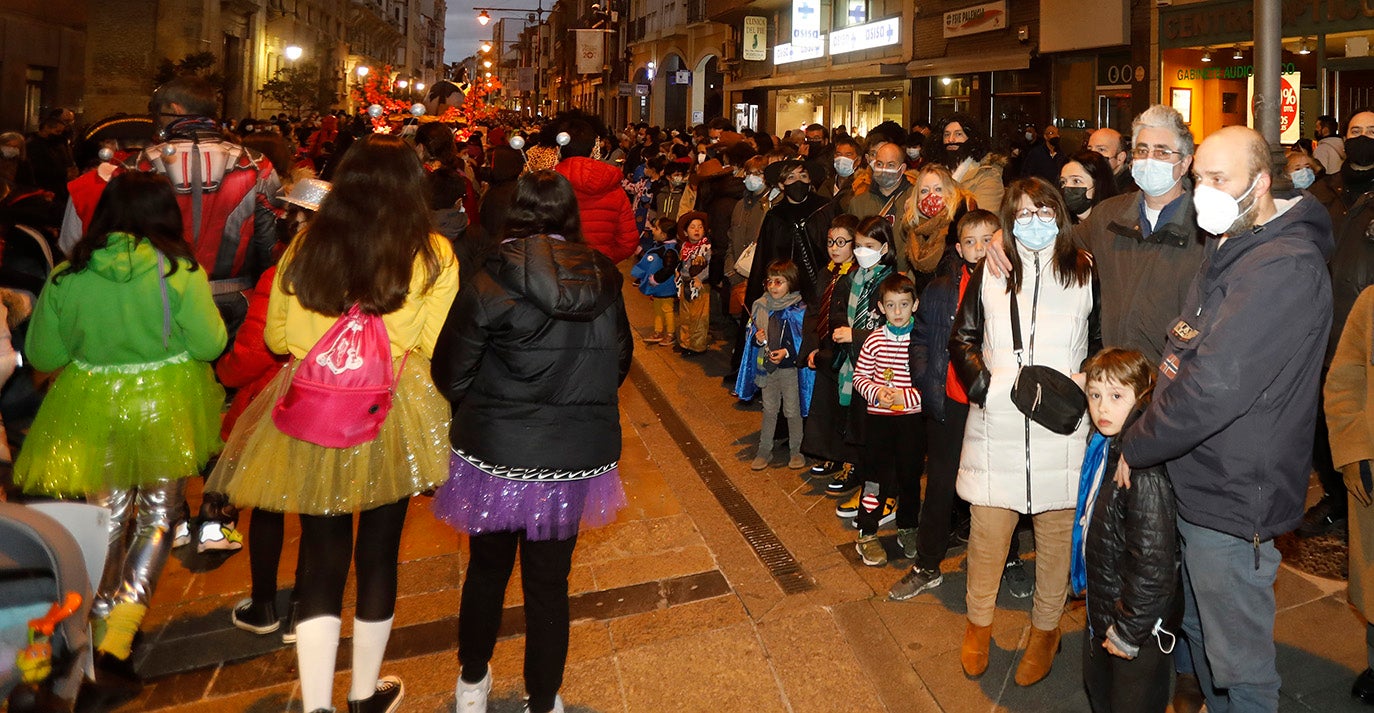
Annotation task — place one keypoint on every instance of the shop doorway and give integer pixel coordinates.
(1114, 111)
(1352, 90)
(708, 94)
(676, 84)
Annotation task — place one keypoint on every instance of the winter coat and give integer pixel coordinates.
(1352, 264)
(249, 365)
(532, 354)
(984, 180)
(608, 223)
(1134, 567)
(1144, 273)
(1349, 395)
(1007, 460)
(722, 193)
(656, 270)
(746, 219)
(796, 232)
(934, 323)
(1237, 394)
(112, 312)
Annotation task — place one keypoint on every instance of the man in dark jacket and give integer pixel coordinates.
(1233, 410)
(1112, 145)
(795, 229)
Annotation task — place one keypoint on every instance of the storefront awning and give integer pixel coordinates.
(887, 72)
(967, 65)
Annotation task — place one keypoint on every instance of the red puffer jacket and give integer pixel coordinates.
(608, 222)
(249, 366)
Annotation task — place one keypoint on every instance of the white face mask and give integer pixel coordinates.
(701, 158)
(753, 184)
(1217, 211)
(867, 257)
(1303, 178)
(9, 151)
(913, 152)
(773, 194)
(844, 166)
(1154, 177)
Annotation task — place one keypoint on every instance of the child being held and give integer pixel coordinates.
(883, 376)
(775, 328)
(1125, 549)
(657, 278)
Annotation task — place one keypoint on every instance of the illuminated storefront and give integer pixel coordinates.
(1207, 57)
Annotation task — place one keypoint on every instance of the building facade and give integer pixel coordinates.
(42, 60)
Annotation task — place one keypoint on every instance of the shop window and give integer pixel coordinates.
(950, 95)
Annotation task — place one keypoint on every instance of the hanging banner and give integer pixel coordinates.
(755, 41)
(979, 18)
(589, 51)
(806, 26)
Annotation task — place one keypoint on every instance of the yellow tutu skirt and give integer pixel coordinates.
(263, 467)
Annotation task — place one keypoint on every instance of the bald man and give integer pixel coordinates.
(1232, 413)
(1110, 144)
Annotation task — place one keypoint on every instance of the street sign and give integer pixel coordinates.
(682, 76)
(625, 89)
(979, 18)
(641, 90)
(755, 38)
(806, 25)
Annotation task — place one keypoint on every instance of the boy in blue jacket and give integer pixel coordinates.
(656, 273)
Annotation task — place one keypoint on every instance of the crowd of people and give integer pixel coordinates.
(1123, 347)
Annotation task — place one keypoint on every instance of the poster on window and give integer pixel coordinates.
(589, 54)
(1289, 82)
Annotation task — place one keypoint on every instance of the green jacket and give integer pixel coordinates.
(111, 313)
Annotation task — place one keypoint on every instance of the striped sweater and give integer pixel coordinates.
(885, 361)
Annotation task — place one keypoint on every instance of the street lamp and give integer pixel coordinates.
(486, 63)
(293, 52)
(483, 18)
(362, 70)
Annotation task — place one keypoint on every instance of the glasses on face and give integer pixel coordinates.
(775, 281)
(1044, 213)
(1158, 153)
(838, 242)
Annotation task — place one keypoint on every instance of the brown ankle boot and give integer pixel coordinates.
(974, 653)
(1039, 657)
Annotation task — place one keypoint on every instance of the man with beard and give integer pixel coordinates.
(1109, 143)
(1329, 149)
(964, 151)
(1232, 412)
(1352, 270)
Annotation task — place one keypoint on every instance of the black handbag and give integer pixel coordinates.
(1044, 394)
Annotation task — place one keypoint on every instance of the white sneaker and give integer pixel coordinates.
(221, 536)
(472, 697)
(181, 534)
(557, 705)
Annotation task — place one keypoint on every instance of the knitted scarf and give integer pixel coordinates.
(862, 317)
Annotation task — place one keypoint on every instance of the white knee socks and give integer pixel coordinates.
(317, 646)
(369, 647)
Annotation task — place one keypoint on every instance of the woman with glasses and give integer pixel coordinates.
(1011, 465)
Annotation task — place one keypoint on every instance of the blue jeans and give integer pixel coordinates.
(1228, 617)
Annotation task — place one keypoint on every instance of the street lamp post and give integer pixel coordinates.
(537, 14)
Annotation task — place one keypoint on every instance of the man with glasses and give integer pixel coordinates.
(887, 194)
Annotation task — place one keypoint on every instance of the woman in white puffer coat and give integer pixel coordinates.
(1011, 465)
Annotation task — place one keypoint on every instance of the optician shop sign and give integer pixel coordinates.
(851, 39)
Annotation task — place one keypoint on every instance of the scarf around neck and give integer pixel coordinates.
(862, 317)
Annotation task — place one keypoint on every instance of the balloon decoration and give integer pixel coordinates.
(517, 142)
(105, 154)
(375, 111)
(563, 138)
(417, 109)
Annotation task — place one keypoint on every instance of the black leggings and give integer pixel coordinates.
(544, 567)
(326, 547)
(266, 532)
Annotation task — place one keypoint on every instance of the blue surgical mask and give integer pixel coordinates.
(844, 166)
(753, 184)
(1154, 177)
(1303, 178)
(1035, 234)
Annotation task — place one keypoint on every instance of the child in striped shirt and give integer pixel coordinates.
(883, 376)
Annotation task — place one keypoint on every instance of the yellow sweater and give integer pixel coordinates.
(294, 329)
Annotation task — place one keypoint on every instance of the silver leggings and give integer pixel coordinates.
(141, 521)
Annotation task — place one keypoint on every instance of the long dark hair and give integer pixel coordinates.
(544, 204)
(362, 245)
(1096, 166)
(439, 144)
(975, 148)
(143, 205)
(1071, 265)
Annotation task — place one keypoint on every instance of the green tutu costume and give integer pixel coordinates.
(136, 402)
(118, 427)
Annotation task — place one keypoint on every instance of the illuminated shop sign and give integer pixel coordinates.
(980, 18)
(851, 39)
(1239, 71)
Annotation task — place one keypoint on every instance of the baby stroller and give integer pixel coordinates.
(45, 602)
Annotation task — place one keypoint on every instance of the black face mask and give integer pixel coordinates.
(796, 192)
(1053, 141)
(1360, 150)
(1076, 199)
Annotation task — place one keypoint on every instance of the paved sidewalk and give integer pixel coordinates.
(718, 589)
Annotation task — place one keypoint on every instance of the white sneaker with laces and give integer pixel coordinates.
(472, 697)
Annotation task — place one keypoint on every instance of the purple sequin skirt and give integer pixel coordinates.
(476, 502)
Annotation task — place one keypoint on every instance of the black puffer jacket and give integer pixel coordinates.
(534, 349)
(1133, 557)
